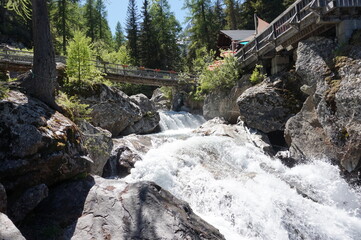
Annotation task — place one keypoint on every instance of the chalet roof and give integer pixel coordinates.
(238, 35)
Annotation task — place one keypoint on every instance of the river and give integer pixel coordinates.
(245, 193)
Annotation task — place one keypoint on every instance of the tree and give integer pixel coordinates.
(167, 31)
(132, 31)
(119, 38)
(79, 66)
(148, 46)
(90, 18)
(231, 14)
(102, 13)
(41, 83)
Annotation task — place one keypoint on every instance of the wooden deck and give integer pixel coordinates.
(301, 20)
(15, 60)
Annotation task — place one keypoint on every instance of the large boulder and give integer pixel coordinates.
(160, 100)
(150, 116)
(37, 145)
(8, 230)
(314, 59)
(142, 210)
(111, 108)
(267, 106)
(329, 124)
(99, 144)
(223, 102)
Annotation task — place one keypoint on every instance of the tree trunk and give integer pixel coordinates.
(42, 82)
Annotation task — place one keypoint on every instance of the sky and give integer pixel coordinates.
(117, 11)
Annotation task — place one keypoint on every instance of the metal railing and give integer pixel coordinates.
(26, 58)
(289, 19)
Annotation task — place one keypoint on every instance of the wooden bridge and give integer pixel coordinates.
(21, 61)
(302, 19)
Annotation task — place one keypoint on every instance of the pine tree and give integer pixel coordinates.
(90, 18)
(119, 38)
(231, 14)
(101, 14)
(147, 39)
(132, 31)
(167, 31)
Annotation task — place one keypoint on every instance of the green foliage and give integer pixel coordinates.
(119, 38)
(132, 31)
(167, 91)
(21, 7)
(118, 57)
(81, 71)
(224, 76)
(257, 75)
(75, 110)
(203, 59)
(3, 91)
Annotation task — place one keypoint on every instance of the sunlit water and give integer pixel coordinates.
(246, 194)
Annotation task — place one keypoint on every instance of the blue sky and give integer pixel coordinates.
(117, 11)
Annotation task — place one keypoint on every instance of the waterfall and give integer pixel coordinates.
(247, 194)
(179, 120)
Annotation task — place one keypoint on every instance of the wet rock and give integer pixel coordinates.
(142, 210)
(112, 109)
(27, 202)
(37, 145)
(3, 199)
(223, 103)
(268, 105)
(150, 116)
(99, 144)
(126, 152)
(8, 231)
(238, 132)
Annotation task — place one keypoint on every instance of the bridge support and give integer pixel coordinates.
(279, 63)
(345, 29)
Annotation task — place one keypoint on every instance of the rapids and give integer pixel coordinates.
(245, 193)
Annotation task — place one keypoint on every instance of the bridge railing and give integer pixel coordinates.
(297, 12)
(26, 58)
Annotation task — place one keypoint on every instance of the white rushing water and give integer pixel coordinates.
(248, 195)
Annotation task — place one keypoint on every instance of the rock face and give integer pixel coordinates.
(160, 100)
(138, 211)
(114, 111)
(8, 231)
(329, 124)
(3, 199)
(37, 145)
(150, 116)
(126, 152)
(267, 106)
(99, 144)
(223, 103)
(27, 202)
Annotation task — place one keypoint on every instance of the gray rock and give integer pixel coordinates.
(37, 144)
(8, 231)
(27, 202)
(329, 124)
(314, 58)
(267, 106)
(160, 100)
(111, 109)
(99, 144)
(138, 211)
(223, 103)
(3, 199)
(150, 117)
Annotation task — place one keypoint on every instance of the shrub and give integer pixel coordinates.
(75, 110)
(257, 76)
